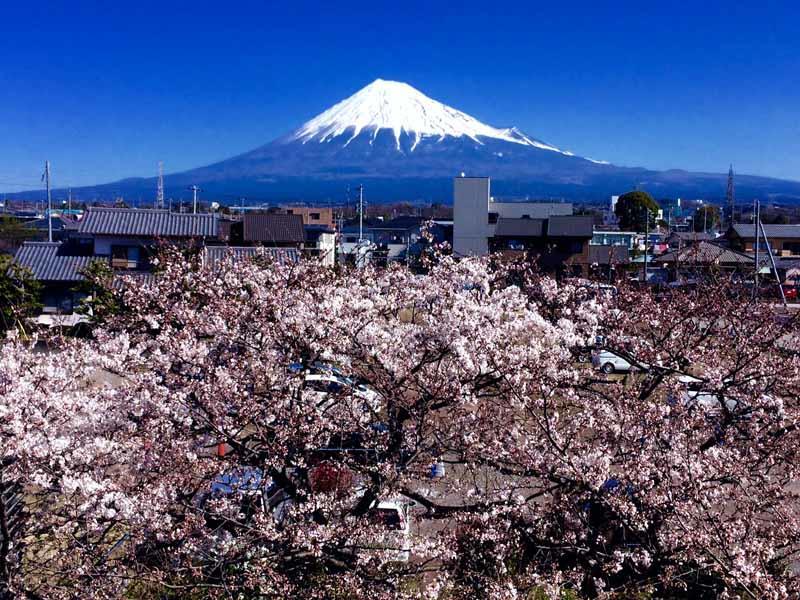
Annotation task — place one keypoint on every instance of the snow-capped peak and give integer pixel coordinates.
(401, 108)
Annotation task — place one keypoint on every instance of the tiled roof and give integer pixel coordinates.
(59, 223)
(147, 222)
(690, 236)
(608, 254)
(214, 255)
(274, 228)
(49, 262)
(123, 278)
(704, 252)
(570, 226)
(519, 227)
(747, 231)
(404, 222)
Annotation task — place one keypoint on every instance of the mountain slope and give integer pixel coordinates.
(404, 145)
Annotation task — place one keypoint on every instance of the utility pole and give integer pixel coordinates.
(194, 190)
(160, 188)
(360, 212)
(646, 239)
(46, 177)
(756, 221)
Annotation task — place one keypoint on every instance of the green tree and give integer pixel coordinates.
(706, 218)
(13, 233)
(100, 300)
(19, 296)
(631, 209)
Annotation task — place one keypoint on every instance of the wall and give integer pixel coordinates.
(471, 216)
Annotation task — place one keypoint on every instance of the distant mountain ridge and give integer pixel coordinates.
(403, 145)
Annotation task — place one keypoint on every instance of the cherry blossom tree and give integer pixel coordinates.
(256, 429)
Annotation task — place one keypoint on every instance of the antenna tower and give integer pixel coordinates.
(160, 189)
(730, 197)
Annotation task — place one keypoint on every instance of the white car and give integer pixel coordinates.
(392, 518)
(695, 395)
(610, 362)
(325, 387)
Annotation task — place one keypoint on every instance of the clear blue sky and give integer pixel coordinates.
(106, 92)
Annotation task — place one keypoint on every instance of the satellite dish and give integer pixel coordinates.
(215, 206)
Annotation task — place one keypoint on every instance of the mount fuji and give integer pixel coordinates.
(403, 145)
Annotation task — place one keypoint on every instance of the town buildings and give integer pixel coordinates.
(558, 240)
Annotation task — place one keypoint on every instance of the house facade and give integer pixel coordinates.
(784, 240)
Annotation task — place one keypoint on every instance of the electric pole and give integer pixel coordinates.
(360, 212)
(194, 190)
(646, 239)
(46, 177)
(756, 221)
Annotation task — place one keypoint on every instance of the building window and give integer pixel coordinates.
(314, 216)
(125, 257)
(792, 247)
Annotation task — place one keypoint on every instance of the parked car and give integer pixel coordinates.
(393, 536)
(696, 393)
(258, 494)
(610, 362)
(326, 388)
(326, 382)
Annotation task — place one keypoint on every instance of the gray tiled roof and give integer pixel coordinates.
(704, 252)
(690, 236)
(122, 279)
(747, 230)
(274, 228)
(213, 255)
(570, 226)
(519, 227)
(147, 222)
(49, 262)
(608, 254)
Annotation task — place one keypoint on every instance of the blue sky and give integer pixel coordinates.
(106, 92)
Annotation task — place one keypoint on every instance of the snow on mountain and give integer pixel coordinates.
(396, 106)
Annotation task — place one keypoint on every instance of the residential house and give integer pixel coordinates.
(602, 237)
(62, 227)
(476, 215)
(382, 240)
(273, 230)
(703, 257)
(559, 243)
(549, 232)
(57, 266)
(784, 240)
(677, 240)
(314, 216)
(608, 260)
(321, 243)
(128, 236)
